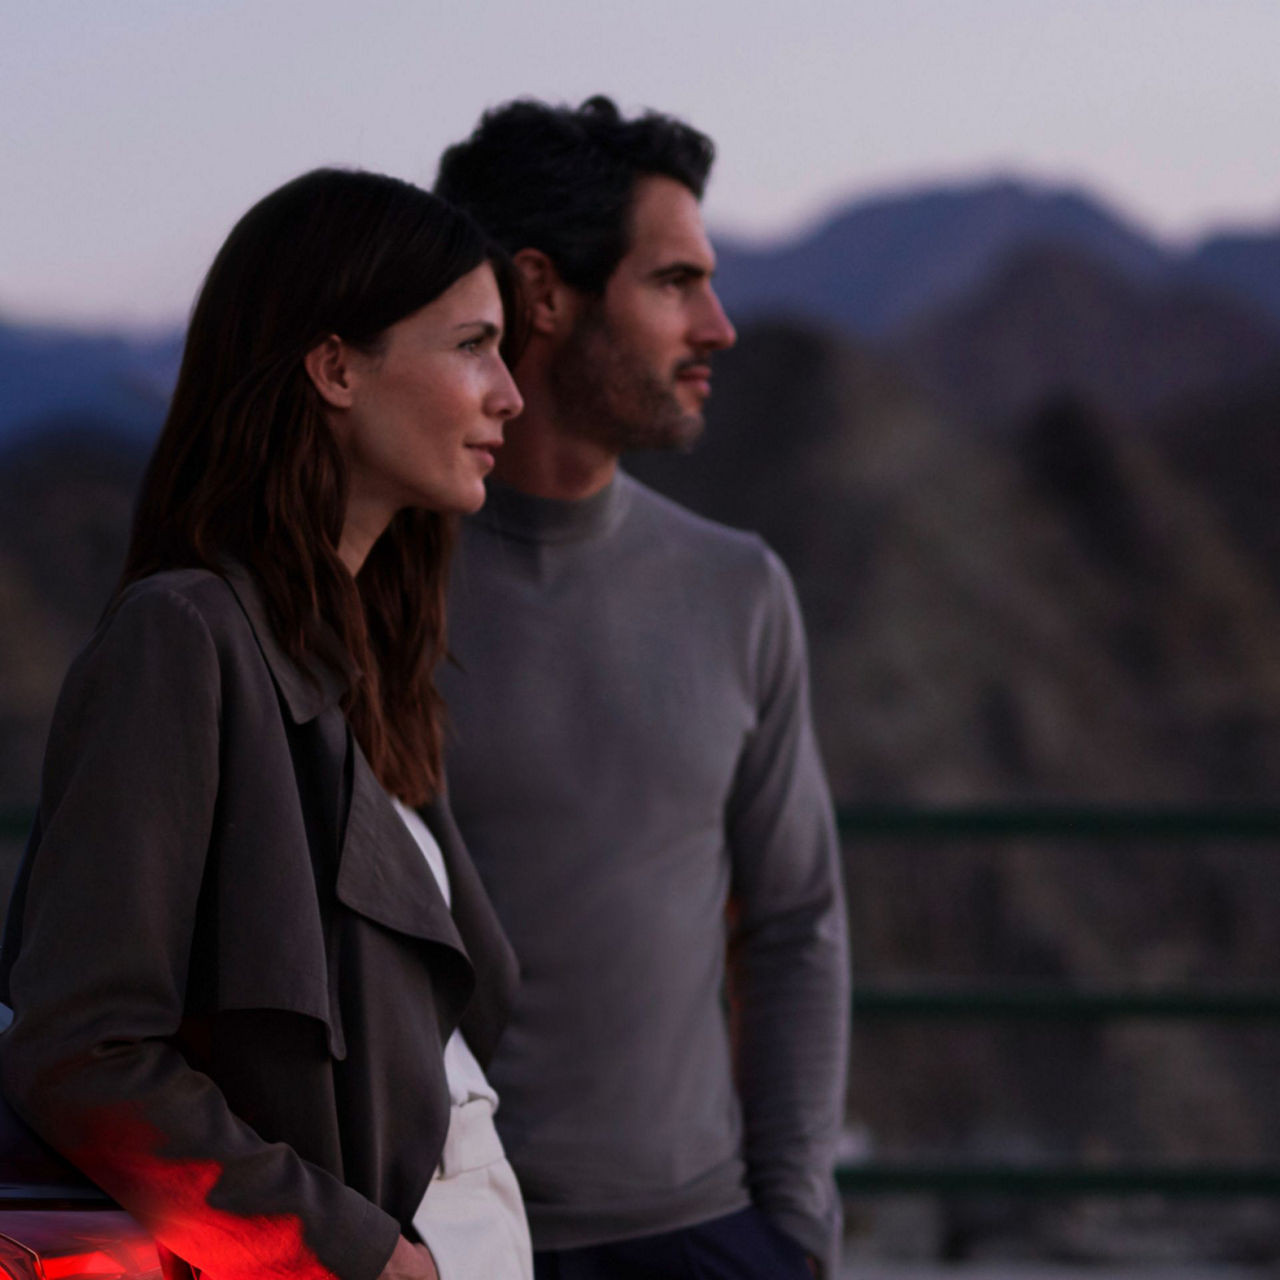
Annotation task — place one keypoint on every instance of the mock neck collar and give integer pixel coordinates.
(531, 519)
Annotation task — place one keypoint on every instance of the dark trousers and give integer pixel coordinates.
(740, 1246)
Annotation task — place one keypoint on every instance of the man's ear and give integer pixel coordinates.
(328, 365)
(551, 306)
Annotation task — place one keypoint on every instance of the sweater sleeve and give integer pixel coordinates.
(789, 954)
(99, 939)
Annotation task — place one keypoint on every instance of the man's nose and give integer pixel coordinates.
(714, 331)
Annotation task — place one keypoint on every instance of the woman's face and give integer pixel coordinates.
(425, 413)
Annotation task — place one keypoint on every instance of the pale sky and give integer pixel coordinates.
(134, 132)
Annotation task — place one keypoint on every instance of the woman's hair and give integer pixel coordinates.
(247, 469)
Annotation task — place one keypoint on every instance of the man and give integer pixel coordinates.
(634, 767)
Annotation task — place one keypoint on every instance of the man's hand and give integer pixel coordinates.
(410, 1262)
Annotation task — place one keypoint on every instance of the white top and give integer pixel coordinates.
(464, 1074)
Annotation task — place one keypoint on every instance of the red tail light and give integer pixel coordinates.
(65, 1244)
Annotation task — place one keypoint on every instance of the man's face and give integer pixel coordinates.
(635, 371)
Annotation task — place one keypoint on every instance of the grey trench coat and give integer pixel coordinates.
(231, 970)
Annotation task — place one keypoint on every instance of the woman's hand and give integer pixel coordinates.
(410, 1262)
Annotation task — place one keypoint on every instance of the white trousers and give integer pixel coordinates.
(472, 1217)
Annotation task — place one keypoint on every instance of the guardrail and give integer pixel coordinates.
(1068, 821)
(938, 1000)
(887, 1178)
(1058, 1004)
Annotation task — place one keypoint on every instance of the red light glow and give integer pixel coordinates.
(66, 1244)
(171, 1196)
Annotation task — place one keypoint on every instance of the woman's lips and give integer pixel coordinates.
(486, 449)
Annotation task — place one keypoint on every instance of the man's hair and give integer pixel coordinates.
(561, 179)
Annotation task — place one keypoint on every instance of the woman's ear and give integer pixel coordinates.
(328, 365)
(550, 305)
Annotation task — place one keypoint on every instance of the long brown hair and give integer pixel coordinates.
(246, 467)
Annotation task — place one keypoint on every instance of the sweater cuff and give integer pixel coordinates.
(819, 1238)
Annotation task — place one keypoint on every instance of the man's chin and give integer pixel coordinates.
(677, 435)
(690, 433)
(681, 426)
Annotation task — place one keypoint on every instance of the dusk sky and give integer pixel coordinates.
(135, 132)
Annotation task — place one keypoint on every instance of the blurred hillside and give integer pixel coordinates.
(112, 382)
(885, 262)
(1022, 462)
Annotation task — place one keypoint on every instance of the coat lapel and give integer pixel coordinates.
(497, 970)
(382, 873)
(306, 691)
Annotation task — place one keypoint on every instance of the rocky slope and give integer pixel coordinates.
(1052, 320)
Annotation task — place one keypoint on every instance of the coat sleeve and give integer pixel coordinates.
(789, 951)
(100, 934)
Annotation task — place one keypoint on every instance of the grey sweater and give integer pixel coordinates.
(632, 752)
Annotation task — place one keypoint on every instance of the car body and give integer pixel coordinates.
(56, 1225)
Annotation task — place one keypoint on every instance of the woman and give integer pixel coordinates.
(236, 978)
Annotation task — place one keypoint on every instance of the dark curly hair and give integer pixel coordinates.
(560, 179)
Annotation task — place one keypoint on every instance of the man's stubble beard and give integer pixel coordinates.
(603, 394)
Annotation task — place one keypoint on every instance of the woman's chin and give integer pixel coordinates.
(459, 500)
(465, 504)
(481, 494)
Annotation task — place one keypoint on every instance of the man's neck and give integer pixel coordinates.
(541, 458)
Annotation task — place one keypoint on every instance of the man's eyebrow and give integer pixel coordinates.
(695, 270)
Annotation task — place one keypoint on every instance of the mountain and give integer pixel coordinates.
(1052, 319)
(119, 382)
(1055, 611)
(1245, 265)
(911, 270)
(1230, 449)
(66, 493)
(993, 296)
(1061, 611)
(1080, 606)
(883, 262)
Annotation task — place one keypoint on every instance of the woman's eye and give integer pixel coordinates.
(478, 343)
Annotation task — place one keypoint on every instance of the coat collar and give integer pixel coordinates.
(309, 689)
(382, 874)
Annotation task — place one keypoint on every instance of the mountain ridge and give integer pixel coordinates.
(883, 268)
(114, 379)
(904, 253)
(901, 254)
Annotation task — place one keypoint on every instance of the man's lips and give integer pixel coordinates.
(698, 375)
